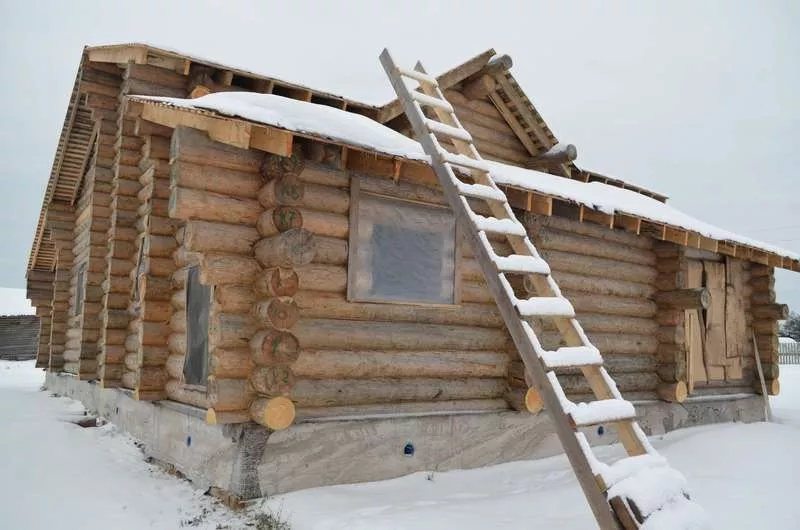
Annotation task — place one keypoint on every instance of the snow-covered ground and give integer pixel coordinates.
(55, 474)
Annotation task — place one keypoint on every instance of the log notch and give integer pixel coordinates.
(765, 314)
(362, 358)
(93, 220)
(213, 193)
(673, 351)
(60, 221)
(610, 278)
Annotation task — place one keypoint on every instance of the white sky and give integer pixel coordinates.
(697, 100)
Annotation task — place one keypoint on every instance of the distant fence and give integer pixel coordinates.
(789, 353)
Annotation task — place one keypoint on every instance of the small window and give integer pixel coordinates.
(401, 251)
(80, 289)
(198, 301)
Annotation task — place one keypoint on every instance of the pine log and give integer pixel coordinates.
(342, 334)
(694, 298)
(773, 387)
(230, 330)
(594, 322)
(130, 379)
(234, 298)
(177, 392)
(160, 246)
(330, 250)
(611, 305)
(524, 400)
(157, 310)
(565, 241)
(272, 381)
(282, 218)
(619, 343)
(765, 327)
(205, 236)
(338, 392)
(318, 277)
(188, 203)
(155, 288)
(174, 366)
(131, 361)
(231, 363)
(177, 344)
(277, 281)
(294, 192)
(673, 392)
(270, 347)
(229, 394)
(295, 247)
(762, 298)
(274, 413)
(770, 311)
(288, 190)
(329, 364)
(228, 269)
(214, 417)
(178, 299)
(277, 313)
(178, 322)
(152, 378)
(598, 267)
(214, 179)
(316, 304)
(762, 283)
(191, 145)
(414, 409)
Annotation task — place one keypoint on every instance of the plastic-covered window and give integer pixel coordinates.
(198, 301)
(404, 252)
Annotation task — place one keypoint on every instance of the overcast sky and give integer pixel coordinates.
(697, 100)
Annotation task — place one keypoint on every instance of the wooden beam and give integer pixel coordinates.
(118, 54)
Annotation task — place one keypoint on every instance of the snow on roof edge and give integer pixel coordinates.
(328, 122)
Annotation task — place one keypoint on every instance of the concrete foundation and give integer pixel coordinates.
(249, 461)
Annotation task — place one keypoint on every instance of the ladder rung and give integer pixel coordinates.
(650, 489)
(447, 130)
(494, 225)
(464, 161)
(629, 466)
(522, 264)
(430, 101)
(678, 513)
(601, 411)
(545, 306)
(572, 356)
(418, 76)
(480, 191)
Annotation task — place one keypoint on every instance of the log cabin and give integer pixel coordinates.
(263, 282)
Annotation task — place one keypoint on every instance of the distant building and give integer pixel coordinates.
(19, 337)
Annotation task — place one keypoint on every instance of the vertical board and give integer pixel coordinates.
(716, 356)
(694, 334)
(736, 336)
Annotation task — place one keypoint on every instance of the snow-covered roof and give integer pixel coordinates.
(342, 127)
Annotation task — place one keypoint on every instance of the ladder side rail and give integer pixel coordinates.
(572, 448)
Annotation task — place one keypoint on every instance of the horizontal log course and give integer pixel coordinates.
(182, 257)
(214, 417)
(595, 322)
(626, 382)
(329, 364)
(773, 387)
(194, 146)
(758, 270)
(694, 298)
(158, 266)
(111, 372)
(177, 392)
(673, 392)
(228, 269)
(274, 413)
(234, 298)
(402, 409)
(231, 363)
(282, 218)
(277, 281)
(205, 236)
(229, 394)
(295, 247)
(765, 327)
(290, 191)
(114, 354)
(269, 347)
(131, 362)
(157, 310)
(178, 300)
(155, 288)
(160, 246)
(214, 179)
(177, 323)
(566, 241)
(330, 251)
(762, 283)
(338, 392)
(344, 334)
(598, 267)
(619, 343)
(539, 222)
(189, 203)
(277, 313)
(594, 285)
(770, 311)
(174, 366)
(176, 344)
(130, 379)
(524, 400)
(316, 304)
(762, 298)
(152, 378)
(230, 330)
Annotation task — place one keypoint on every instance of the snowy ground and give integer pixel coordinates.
(55, 474)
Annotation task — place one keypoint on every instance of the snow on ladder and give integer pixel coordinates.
(639, 491)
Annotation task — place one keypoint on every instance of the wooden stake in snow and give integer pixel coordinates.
(767, 408)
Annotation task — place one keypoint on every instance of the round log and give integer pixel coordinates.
(178, 298)
(177, 392)
(338, 392)
(272, 381)
(610, 305)
(195, 146)
(230, 330)
(277, 281)
(288, 190)
(174, 366)
(525, 400)
(214, 417)
(335, 364)
(205, 236)
(130, 379)
(209, 178)
(565, 241)
(155, 288)
(770, 311)
(762, 283)
(178, 322)
(274, 413)
(230, 269)
(539, 222)
(330, 250)
(419, 408)
(157, 310)
(231, 363)
(188, 203)
(594, 285)
(152, 378)
(229, 394)
(132, 362)
(773, 387)
(279, 219)
(274, 347)
(234, 298)
(318, 277)
(343, 334)
(593, 322)
(673, 392)
(765, 327)
(316, 304)
(292, 248)
(598, 267)
(282, 218)
(695, 298)
(278, 313)
(177, 344)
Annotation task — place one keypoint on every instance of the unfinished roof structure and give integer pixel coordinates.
(228, 248)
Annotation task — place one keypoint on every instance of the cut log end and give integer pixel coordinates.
(673, 392)
(533, 401)
(699, 298)
(773, 387)
(275, 413)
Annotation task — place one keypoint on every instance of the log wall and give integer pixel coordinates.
(764, 316)
(60, 222)
(610, 278)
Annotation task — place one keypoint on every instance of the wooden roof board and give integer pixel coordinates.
(203, 119)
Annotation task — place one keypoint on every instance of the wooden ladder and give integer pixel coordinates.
(631, 490)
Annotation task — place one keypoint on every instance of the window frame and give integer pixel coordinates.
(195, 269)
(355, 199)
